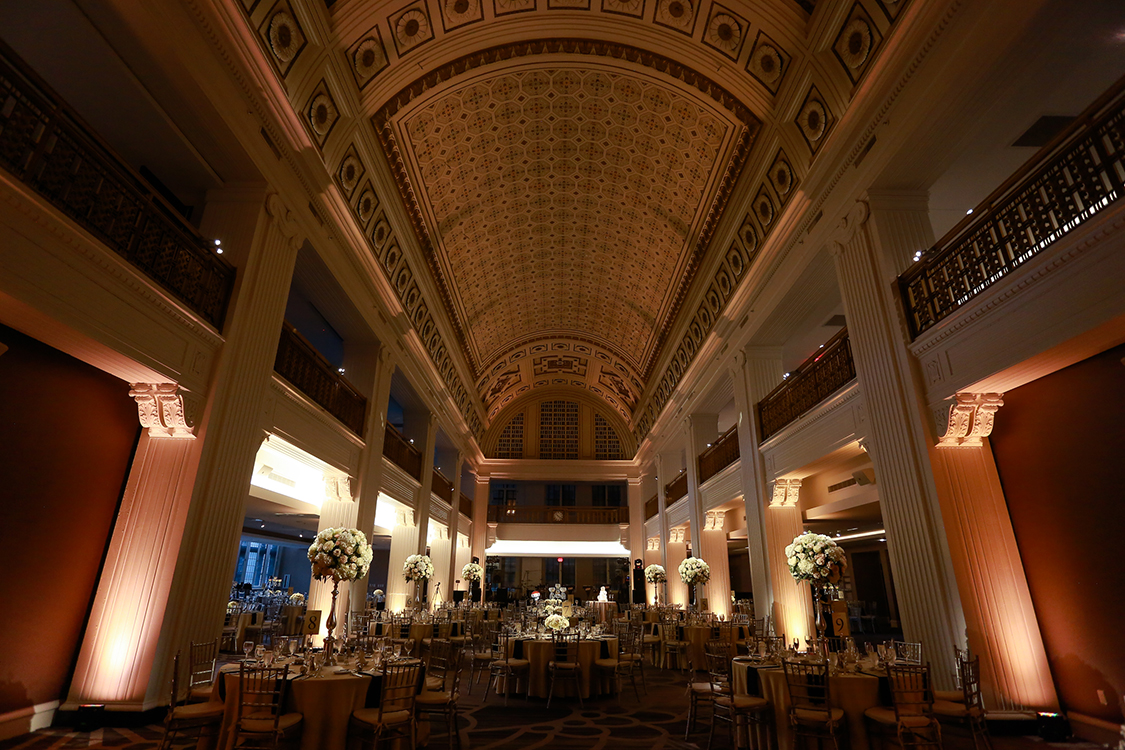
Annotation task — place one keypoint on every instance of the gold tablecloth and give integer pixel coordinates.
(605, 611)
(854, 693)
(325, 702)
(539, 652)
(291, 616)
(697, 637)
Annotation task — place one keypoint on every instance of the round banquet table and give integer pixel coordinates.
(540, 651)
(697, 637)
(854, 693)
(418, 631)
(605, 611)
(325, 702)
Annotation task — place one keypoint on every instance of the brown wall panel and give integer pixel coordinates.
(1059, 444)
(67, 434)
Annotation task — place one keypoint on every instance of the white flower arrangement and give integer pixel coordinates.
(418, 568)
(297, 599)
(550, 608)
(472, 572)
(694, 571)
(232, 605)
(378, 592)
(557, 622)
(340, 554)
(655, 574)
(816, 558)
(558, 592)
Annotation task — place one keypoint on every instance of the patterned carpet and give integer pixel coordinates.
(655, 721)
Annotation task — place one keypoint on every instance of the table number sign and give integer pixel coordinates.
(311, 625)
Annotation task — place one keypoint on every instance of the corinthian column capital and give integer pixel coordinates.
(716, 520)
(969, 419)
(161, 410)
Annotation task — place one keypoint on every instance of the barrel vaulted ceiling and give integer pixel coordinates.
(561, 171)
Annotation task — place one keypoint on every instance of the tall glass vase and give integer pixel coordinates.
(330, 625)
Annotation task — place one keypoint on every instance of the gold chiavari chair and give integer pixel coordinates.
(194, 716)
(811, 713)
(730, 707)
(201, 670)
(969, 711)
(261, 719)
(393, 720)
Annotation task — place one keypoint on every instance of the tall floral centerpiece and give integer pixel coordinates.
(339, 555)
(694, 571)
(473, 573)
(418, 569)
(821, 562)
(655, 575)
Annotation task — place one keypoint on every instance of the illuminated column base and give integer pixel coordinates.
(440, 554)
(404, 543)
(653, 557)
(463, 557)
(120, 645)
(714, 552)
(676, 552)
(792, 604)
(1000, 620)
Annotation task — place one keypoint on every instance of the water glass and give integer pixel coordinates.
(259, 652)
(247, 647)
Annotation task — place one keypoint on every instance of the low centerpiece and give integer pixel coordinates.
(418, 569)
(557, 622)
(694, 572)
(339, 555)
(655, 575)
(821, 562)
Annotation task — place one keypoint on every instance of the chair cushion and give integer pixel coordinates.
(958, 710)
(433, 698)
(887, 716)
(650, 639)
(513, 663)
(198, 710)
(630, 657)
(745, 702)
(606, 663)
(953, 696)
(820, 715)
(562, 665)
(702, 688)
(286, 721)
(374, 717)
(435, 684)
(202, 693)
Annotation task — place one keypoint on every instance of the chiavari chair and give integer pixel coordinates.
(730, 707)
(565, 665)
(811, 713)
(194, 716)
(201, 670)
(969, 710)
(261, 719)
(393, 720)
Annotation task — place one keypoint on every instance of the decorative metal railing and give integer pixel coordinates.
(466, 505)
(45, 145)
(555, 514)
(442, 487)
(404, 455)
(1074, 177)
(652, 506)
(299, 363)
(722, 453)
(821, 375)
(675, 489)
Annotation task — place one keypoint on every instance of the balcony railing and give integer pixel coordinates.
(442, 487)
(722, 453)
(830, 369)
(466, 505)
(1077, 175)
(50, 149)
(555, 514)
(299, 363)
(675, 489)
(402, 453)
(652, 507)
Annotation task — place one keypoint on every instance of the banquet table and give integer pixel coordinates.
(418, 631)
(246, 620)
(605, 611)
(854, 693)
(291, 616)
(697, 637)
(539, 651)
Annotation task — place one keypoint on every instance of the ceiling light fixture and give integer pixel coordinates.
(863, 535)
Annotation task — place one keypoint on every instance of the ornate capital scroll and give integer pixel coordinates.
(490, 536)
(338, 488)
(677, 535)
(970, 419)
(716, 520)
(624, 529)
(653, 544)
(856, 217)
(160, 408)
(786, 492)
(404, 517)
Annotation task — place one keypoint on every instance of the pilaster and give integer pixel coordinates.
(713, 547)
(454, 572)
(480, 525)
(699, 431)
(426, 488)
(636, 500)
(441, 554)
(404, 543)
(338, 510)
(792, 603)
(675, 552)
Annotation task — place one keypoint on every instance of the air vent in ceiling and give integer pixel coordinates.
(841, 485)
(1042, 131)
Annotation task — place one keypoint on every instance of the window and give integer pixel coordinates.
(551, 573)
(503, 494)
(256, 562)
(562, 494)
(607, 496)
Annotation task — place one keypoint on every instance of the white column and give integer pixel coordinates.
(453, 572)
(792, 602)
(120, 644)
(1001, 624)
(462, 557)
(635, 497)
(662, 517)
(404, 543)
(422, 500)
(337, 511)
(713, 550)
(754, 374)
(675, 551)
(440, 555)
(699, 431)
(371, 461)
(654, 556)
(480, 525)
(261, 235)
(919, 551)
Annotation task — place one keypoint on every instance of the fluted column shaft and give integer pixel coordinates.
(754, 374)
(792, 604)
(337, 511)
(440, 553)
(713, 549)
(422, 503)
(480, 525)
(636, 500)
(916, 541)
(675, 551)
(404, 543)
(454, 572)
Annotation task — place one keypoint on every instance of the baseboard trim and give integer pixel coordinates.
(24, 720)
(1093, 729)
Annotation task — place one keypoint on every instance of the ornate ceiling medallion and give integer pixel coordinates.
(781, 176)
(725, 32)
(411, 28)
(458, 13)
(676, 14)
(767, 63)
(368, 59)
(321, 113)
(635, 8)
(856, 42)
(285, 36)
(813, 120)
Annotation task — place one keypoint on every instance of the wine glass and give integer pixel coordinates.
(269, 655)
(259, 652)
(292, 646)
(247, 647)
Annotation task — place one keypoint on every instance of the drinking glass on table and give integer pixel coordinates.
(259, 652)
(269, 656)
(247, 647)
(293, 643)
